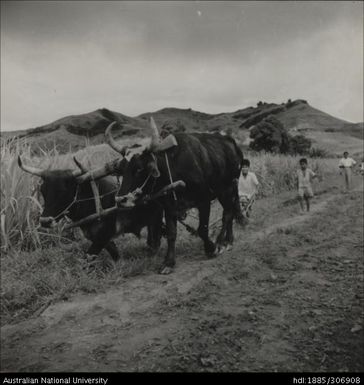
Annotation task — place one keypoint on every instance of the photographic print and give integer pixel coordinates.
(181, 189)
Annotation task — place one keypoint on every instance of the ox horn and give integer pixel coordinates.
(155, 133)
(111, 141)
(30, 169)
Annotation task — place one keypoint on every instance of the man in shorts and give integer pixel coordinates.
(304, 178)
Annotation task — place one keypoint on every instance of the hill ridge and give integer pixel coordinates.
(297, 116)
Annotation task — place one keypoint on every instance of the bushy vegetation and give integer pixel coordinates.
(271, 136)
(299, 145)
(316, 152)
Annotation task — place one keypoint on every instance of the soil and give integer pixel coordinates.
(288, 297)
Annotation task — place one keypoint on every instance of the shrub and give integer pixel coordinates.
(270, 135)
(299, 145)
(317, 152)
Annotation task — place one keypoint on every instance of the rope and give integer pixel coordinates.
(101, 196)
(81, 200)
(170, 175)
(66, 209)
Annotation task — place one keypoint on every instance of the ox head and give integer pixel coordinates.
(142, 170)
(59, 189)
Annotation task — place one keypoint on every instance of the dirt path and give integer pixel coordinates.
(288, 297)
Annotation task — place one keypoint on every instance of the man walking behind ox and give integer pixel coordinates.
(345, 165)
(248, 184)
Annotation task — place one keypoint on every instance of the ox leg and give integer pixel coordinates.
(203, 228)
(155, 233)
(171, 225)
(110, 246)
(229, 232)
(112, 250)
(94, 249)
(226, 237)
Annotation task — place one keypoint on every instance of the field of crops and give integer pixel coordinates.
(40, 266)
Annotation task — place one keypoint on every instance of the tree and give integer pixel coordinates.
(299, 145)
(270, 135)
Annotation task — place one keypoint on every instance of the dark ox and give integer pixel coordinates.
(69, 193)
(209, 164)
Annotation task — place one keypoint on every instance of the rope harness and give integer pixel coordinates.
(75, 201)
(97, 197)
(170, 175)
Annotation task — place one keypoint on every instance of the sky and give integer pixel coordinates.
(62, 58)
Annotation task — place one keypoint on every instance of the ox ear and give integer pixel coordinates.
(168, 142)
(153, 169)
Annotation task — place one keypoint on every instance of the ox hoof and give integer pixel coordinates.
(221, 249)
(229, 247)
(212, 254)
(166, 270)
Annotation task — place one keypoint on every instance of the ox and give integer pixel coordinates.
(208, 164)
(69, 193)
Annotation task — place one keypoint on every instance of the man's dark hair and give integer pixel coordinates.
(245, 162)
(303, 160)
(346, 153)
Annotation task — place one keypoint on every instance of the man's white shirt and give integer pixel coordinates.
(347, 162)
(248, 185)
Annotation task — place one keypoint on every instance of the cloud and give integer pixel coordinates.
(134, 58)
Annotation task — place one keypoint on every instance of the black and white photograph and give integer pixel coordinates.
(181, 189)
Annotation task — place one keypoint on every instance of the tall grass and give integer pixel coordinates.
(277, 173)
(20, 205)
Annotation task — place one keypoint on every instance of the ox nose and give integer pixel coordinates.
(123, 199)
(126, 201)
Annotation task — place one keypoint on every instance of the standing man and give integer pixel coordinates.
(248, 184)
(345, 165)
(303, 179)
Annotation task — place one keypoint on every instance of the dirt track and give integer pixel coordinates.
(288, 297)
